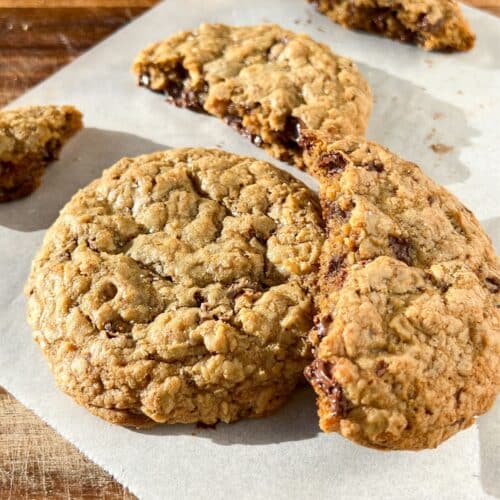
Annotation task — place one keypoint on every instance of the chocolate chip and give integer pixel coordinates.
(51, 149)
(236, 122)
(117, 326)
(335, 264)
(306, 141)
(332, 162)
(379, 18)
(252, 233)
(424, 24)
(493, 284)
(401, 249)
(374, 166)
(319, 375)
(293, 128)
(380, 368)
(179, 92)
(198, 298)
(334, 211)
(108, 291)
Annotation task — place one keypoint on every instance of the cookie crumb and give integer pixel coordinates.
(430, 135)
(441, 149)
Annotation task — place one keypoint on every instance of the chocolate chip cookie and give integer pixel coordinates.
(268, 83)
(177, 288)
(407, 338)
(30, 138)
(432, 24)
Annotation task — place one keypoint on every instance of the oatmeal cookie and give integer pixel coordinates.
(177, 288)
(30, 138)
(432, 24)
(407, 338)
(268, 83)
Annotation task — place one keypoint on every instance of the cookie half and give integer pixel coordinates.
(432, 24)
(177, 288)
(407, 339)
(268, 83)
(30, 138)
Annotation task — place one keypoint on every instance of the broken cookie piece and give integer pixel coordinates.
(30, 138)
(432, 24)
(267, 83)
(407, 337)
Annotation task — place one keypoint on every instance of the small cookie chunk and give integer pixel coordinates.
(432, 24)
(268, 83)
(407, 339)
(177, 288)
(30, 138)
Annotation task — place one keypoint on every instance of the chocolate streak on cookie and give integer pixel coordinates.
(319, 375)
(289, 138)
(385, 21)
(178, 90)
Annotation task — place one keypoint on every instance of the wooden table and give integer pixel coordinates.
(36, 38)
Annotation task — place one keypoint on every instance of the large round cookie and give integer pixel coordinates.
(177, 288)
(266, 82)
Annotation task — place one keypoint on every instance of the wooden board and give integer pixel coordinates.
(36, 38)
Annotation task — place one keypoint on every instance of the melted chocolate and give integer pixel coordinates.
(319, 375)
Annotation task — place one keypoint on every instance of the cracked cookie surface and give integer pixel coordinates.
(30, 138)
(177, 288)
(268, 83)
(407, 337)
(431, 24)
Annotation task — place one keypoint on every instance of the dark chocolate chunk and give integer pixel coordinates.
(51, 149)
(198, 298)
(424, 24)
(292, 132)
(332, 162)
(334, 211)
(401, 249)
(380, 368)
(374, 166)
(493, 284)
(108, 291)
(117, 326)
(236, 122)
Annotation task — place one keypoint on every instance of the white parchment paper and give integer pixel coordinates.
(421, 100)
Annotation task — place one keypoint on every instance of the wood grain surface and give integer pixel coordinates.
(37, 37)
